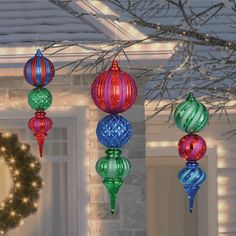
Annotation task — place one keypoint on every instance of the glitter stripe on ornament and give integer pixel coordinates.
(192, 147)
(114, 169)
(39, 70)
(114, 91)
(190, 115)
(191, 177)
(114, 131)
(40, 125)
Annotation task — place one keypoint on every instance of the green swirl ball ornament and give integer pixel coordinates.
(191, 116)
(40, 99)
(114, 169)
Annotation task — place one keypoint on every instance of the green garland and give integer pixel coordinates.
(26, 182)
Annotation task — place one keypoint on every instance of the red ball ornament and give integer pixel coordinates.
(114, 91)
(40, 124)
(192, 147)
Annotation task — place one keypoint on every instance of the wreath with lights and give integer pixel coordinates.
(26, 182)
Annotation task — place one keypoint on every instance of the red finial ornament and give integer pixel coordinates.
(114, 91)
(39, 125)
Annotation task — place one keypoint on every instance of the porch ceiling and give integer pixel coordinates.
(29, 21)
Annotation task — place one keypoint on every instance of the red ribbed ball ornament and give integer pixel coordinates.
(114, 91)
(192, 147)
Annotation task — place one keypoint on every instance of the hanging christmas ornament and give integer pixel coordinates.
(191, 116)
(191, 177)
(39, 70)
(192, 147)
(114, 131)
(114, 91)
(40, 125)
(113, 168)
(40, 99)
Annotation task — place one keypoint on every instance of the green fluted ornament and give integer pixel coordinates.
(113, 168)
(191, 116)
(40, 99)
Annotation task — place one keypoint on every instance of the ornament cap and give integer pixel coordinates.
(192, 164)
(191, 97)
(113, 152)
(40, 114)
(114, 66)
(38, 53)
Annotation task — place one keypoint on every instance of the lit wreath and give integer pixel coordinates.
(26, 182)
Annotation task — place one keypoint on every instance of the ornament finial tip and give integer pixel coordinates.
(112, 211)
(114, 65)
(190, 95)
(39, 53)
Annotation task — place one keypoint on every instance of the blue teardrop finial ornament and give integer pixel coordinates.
(39, 53)
(191, 177)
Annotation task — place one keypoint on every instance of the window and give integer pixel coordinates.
(62, 204)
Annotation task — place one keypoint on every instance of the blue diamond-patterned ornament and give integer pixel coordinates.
(114, 131)
(191, 177)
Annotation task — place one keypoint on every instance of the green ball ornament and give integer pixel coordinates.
(191, 116)
(113, 168)
(40, 99)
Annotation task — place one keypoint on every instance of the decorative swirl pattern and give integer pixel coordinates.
(191, 177)
(114, 131)
(191, 116)
(192, 147)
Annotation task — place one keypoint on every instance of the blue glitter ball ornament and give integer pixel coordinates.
(114, 131)
(191, 177)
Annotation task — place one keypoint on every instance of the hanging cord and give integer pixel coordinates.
(37, 45)
(116, 40)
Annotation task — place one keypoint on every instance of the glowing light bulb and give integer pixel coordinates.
(34, 184)
(3, 149)
(23, 147)
(12, 160)
(17, 172)
(13, 213)
(18, 185)
(6, 135)
(25, 200)
(32, 165)
(35, 205)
